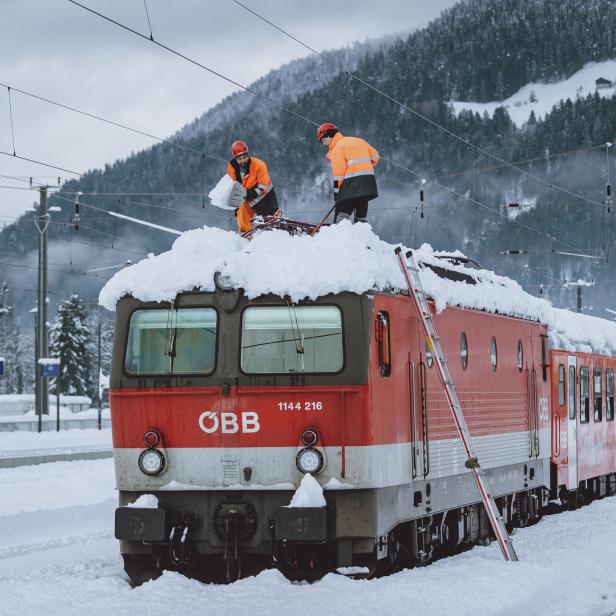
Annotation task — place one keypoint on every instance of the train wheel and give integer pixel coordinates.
(140, 568)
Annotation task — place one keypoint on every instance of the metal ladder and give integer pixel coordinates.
(410, 271)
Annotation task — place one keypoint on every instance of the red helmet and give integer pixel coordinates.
(238, 148)
(324, 128)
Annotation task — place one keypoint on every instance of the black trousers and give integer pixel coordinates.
(357, 206)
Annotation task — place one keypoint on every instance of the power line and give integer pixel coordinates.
(110, 122)
(192, 61)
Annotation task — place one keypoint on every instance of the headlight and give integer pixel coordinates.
(309, 460)
(151, 462)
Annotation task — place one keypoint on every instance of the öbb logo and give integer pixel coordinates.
(228, 423)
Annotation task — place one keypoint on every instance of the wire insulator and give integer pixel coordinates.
(421, 203)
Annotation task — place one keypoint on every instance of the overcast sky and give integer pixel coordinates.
(57, 50)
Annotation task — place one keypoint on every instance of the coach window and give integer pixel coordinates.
(584, 395)
(181, 341)
(291, 339)
(571, 390)
(561, 385)
(493, 357)
(609, 387)
(384, 343)
(598, 391)
(520, 356)
(463, 351)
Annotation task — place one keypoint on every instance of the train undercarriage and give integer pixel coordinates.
(240, 546)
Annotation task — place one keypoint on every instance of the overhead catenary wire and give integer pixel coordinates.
(193, 61)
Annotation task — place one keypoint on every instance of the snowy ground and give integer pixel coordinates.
(58, 557)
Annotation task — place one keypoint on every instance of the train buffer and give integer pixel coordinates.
(417, 294)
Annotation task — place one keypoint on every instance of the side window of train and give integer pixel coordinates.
(609, 388)
(598, 391)
(493, 354)
(383, 341)
(571, 390)
(520, 356)
(584, 395)
(463, 350)
(561, 384)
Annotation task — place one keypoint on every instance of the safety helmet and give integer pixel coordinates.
(238, 148)
(324, 128)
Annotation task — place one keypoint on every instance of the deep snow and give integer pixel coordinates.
(60, 559)
(339, 258)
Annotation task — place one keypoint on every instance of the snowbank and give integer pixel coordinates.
(339, 258)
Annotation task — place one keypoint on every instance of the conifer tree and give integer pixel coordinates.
(70, 341)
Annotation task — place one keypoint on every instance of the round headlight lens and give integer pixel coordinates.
(151, 462)
(309, 460)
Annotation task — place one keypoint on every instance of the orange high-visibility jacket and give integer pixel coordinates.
(260, 197)
(352, 160)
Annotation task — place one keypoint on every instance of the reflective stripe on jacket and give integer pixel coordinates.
(352, 160)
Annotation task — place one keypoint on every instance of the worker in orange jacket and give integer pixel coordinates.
(352, 160)
(252, 173)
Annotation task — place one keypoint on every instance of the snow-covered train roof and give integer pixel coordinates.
(339, 258)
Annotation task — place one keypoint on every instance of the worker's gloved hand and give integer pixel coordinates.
(235, 211)
(251, 194)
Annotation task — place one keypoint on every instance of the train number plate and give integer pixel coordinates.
(307, 405)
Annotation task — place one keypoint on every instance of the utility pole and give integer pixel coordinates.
(579, 285)
(100, 396)
(41, 389)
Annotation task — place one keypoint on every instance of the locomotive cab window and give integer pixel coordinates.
(584, 395)
(383, 342)
(291, 339)
(609, 389)
(169, 341)
(598, 394)
(561, 385)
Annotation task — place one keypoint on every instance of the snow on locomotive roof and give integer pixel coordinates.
(339, 258)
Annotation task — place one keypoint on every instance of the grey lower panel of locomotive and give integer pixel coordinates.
(361, 516)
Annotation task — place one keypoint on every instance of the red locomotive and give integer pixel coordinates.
(220, 404)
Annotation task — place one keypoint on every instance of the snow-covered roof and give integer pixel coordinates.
(339, 258)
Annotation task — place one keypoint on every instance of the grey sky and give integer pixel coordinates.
(57, 50)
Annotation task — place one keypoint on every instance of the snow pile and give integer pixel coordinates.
(541, 97)
(309, 493)
(145, 501)
(343, 257)
(339, 258)
(219, 195)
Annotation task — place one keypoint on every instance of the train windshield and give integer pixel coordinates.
(290, 339)
(179, 341)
